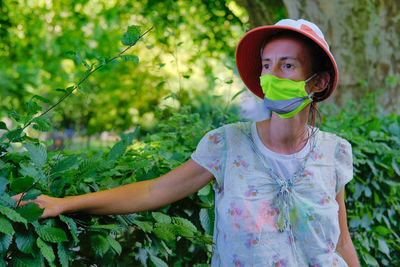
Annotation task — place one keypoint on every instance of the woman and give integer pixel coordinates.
(279, 183)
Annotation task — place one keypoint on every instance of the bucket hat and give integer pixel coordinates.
(248, 61)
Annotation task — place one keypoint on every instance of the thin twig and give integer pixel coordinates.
(85, 78)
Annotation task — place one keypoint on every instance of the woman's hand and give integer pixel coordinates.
(52, 206)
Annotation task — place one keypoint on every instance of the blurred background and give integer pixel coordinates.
(187, 59)
(179, 82)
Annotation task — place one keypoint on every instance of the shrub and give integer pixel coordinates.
(373, 205)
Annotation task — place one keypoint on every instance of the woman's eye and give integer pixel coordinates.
(288, 66)
(266, 66)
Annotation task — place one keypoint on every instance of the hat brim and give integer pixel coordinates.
(248, 60)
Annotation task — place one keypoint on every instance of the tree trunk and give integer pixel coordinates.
(363, 36)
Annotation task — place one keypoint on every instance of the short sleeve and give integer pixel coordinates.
(211, 154)
(343, 164)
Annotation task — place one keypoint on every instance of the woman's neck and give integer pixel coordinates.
(284, 136)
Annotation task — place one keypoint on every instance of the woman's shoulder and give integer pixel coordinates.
(324, 136)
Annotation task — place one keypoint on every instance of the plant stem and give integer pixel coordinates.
(84, 79)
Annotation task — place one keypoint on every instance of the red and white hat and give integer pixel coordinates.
(248, 61)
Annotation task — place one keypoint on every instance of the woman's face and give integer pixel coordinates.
(286, 57)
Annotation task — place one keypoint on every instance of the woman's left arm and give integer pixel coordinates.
(345, 246)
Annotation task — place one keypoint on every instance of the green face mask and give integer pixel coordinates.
(284, 96)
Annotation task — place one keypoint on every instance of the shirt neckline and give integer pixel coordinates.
(266, 151)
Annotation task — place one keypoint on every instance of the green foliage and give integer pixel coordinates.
(373, 204)
(170, 236)
(43, 43)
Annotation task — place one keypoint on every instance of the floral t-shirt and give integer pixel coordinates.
(266, 220)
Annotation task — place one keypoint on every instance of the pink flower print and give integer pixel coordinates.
(306, 173)
(234, 211)
(317, 156)
(236, 261)
(314, 263)
(252, 192)
(240, 162)
(236, 215)
(335, 261)
(342, 149)
(251, 241)
(277, 261)
(214, 138)
(264, 216)
(215, 165)
(325, 199)
(330, 246)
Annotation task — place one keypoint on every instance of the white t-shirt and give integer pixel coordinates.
(263, 219)
(283, 165)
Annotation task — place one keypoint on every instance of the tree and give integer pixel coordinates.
(363, 35)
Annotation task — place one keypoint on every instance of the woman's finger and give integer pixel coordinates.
(17, 199)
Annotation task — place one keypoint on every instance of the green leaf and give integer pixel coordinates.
(41, 98)
(238, 93)
(184, 222)
(72, 227)
(99, 244)
(161, 217)
(204, 191)
(51, 234)
(31, 212)
(25, 242)
(21, 184)
(64, 164)
(7, 201)
(157, 261)
(6, 226)
(12, 215)
(13, 114)
(382, 245)
(5, 242)
(24, 261)
(3, 126)
(206, 220)
(105, 226)
(130, 58)
(145, 226)
(382, 230)
(33, 107)
(371, 261)
(131, 36)
(63, 256)
(165, 231)
(117, 150)
(30, 170)
(42, 124)
(3, 185)
(14, 135)
(37, 153)
(70, 89)
(32, 194)
(115, 245)
(120, 147)
(46, 250)
(395, 165)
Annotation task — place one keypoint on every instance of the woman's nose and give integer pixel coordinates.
(272, 69)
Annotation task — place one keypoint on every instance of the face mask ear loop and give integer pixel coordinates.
(312, 76)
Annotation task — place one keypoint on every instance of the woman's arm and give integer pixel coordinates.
(345, 246)
(135, 197)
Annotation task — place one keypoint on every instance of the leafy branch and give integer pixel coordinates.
(130, 38)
